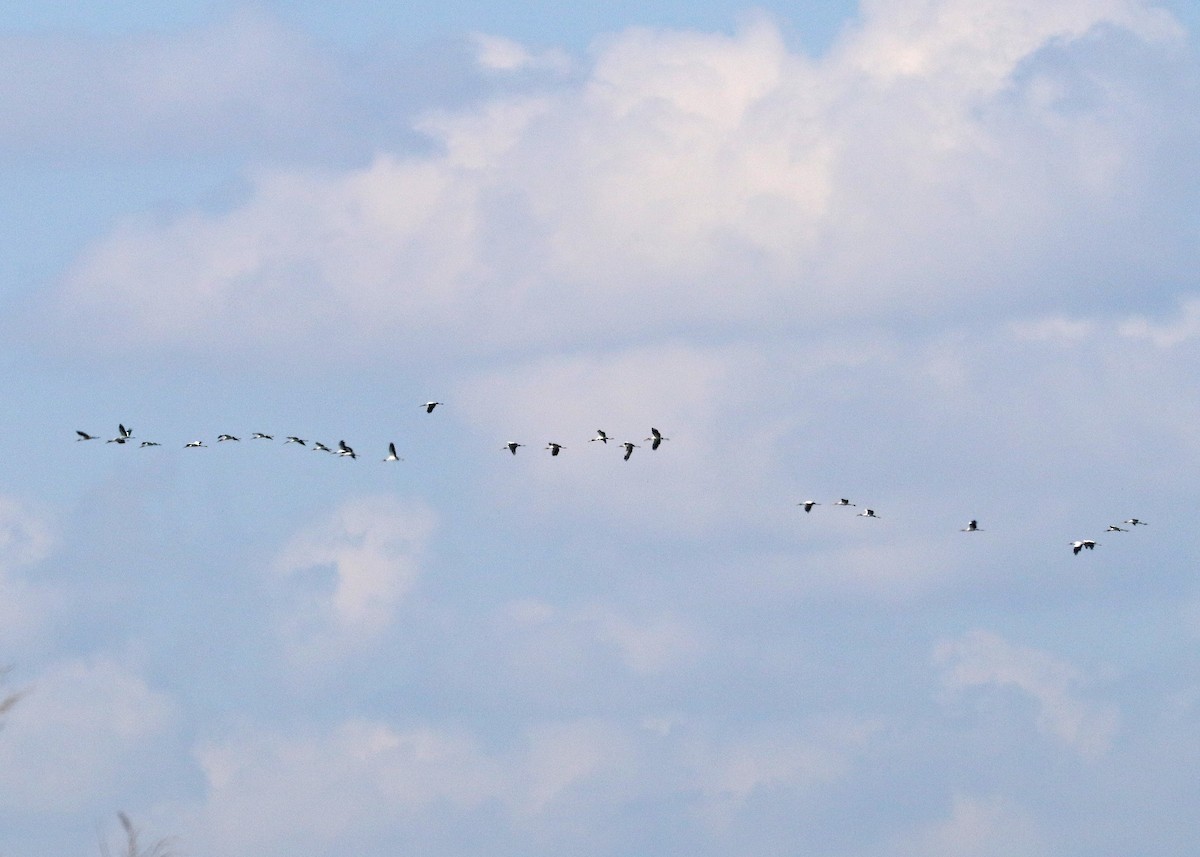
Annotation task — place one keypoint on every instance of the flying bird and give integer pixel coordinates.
(843, 502)
(1135, 522)
(195, 444)
(123, 435)
(293, 439)
(1076, 547)
(808, 504)
(225, 437)
(512, 446)
(657, 437)
(345, 451)
(1113, 528)
(629, 448)
(554, 448)
(972, 527)
(260, 436)
(867, 513)
(392, 453)
(84, 436)
(429, 406)
(601, 435)
(146, 443)
(320, 447)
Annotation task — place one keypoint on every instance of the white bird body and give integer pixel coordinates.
(224, 437)
(429, 406)
(867, 513)
(294, 439)
(601, 436)
(1077, 546)
(554, 448)
(320, 447)
(843, 502)
(195, 444)
(808, 504)
(972, 527)
(1113, 528)
(392, 453)
(260, 436)
(345, 451)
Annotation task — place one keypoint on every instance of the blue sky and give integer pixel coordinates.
(937, 257)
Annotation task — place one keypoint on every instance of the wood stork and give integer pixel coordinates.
(84, 436)
(146, 443)
(1135, 522)
(843, 502)
(629, 448)
(224, 437)
(512, 446)
(294, 439)
(260, 436)
(195, 444)
(345, 451)
(601, 435)
(1113, 528)
(392, 453)
(320, 447)
(972, 527)
(808, 504)
(657, 437)
(867, 513)
(429, 406)
(1076, 547)
(554, 448)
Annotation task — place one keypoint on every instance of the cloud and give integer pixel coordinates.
(976, 827)
(269, 792)
(554, 784)
(1169, 334)
(83, 730)
(25, 539)
(498, 54)
(982, 659)
(729, 774)
(693, 183)
(975, 47)
(371, 549)
(646, 646)
(372, 782)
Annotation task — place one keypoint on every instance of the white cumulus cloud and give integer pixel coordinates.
(982, 659)
(688, 182)
(366, 557)
(82, 729)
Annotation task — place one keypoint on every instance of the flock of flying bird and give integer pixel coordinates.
(973, 525)
(656, 438)
(125, 435)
